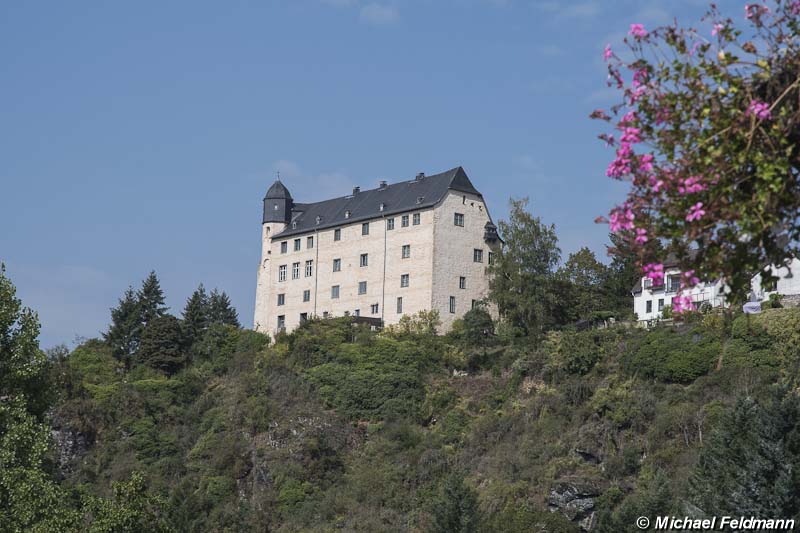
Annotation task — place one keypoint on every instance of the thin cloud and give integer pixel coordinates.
(378, 14)
(312, 187)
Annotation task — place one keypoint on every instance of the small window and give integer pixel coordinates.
(362, 287)
(649, 306)
(404, 280)
(491, 258)
(406, 251)
(365, 228)
(399, 305)
(295, 270)
(404, 221)
(310, 242)
(477, 255)
(337, 265)
(297, 245)
(282, 273)
(374, 309)
(416, 219)
(307, 296)
(364, 261)
(281, 321)
(281, 299)
(309, 268)
(389, 223)
(334, 292)
(458, 219)
(284, 247)
(661, 304)
(337, 235)
(647, 283)
(462, 282)
(452, 304)
(303, 317)
(357, 312)
(474, 304)
(325, 314)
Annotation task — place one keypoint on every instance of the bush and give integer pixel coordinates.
(673, 356)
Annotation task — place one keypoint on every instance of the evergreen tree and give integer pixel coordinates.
(196, 315)
(162, 345)
(221, 311)
(151, 299)
(125, 330)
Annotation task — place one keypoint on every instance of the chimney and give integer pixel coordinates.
(382, 184)
(420, 176)
(356, 190)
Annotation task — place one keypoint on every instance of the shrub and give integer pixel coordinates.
(673, 356)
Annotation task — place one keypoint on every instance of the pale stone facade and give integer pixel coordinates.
(419, 253)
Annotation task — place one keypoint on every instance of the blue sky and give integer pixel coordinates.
(143, 135)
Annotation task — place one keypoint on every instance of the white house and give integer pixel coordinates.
(787, 285)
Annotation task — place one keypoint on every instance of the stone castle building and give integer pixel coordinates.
(421, 244)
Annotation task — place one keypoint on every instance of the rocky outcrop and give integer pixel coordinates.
(575, 499)
(70, 446)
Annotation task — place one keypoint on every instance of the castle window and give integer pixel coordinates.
(374, 309)
(309, 268)
(389, 223)
(474, 304)
(404, 280)
(462, 282)
(275, 207)
(458, 219)
(297, 245)
(282, 273)
(296, 270)
(325, 314)
(357, 312)
(337, 235)
(491, 258)
(310, 243)
(477, 255)
(284, 247)
(406, 251)
(364, 261)
(365, 228)
(303, 318)
(306, 295)
(404, 221)
(452, 304)
(649, 306)
(416, 219)
(334, 292)
(281, 322)
(281, 299)
(362, 287)
(337, 265)
(399, 305)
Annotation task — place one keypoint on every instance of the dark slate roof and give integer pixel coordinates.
(419, 193)
(278, 191)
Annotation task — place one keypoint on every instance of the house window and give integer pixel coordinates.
(399, 305)
(364, 261)
(295, 270)
(337, 265)
(284, 247)
(462, 282)
(452, 304)
(404, 221)
(365, 228)
(281, 321)
(310, 242)
(389, 223)
(282, 273)
(306, 295)
(309, 268)
(661, 304)
(406, 251)
(649, 306)
(337, 235)
(416, 219)
(374, 309)
(458, 219)
(362, 287)
(673, 283)
(477, 255)
(297, 245)
(404, 280)
(357, 312)
(281, 299)
(303, 317)
(334, 292)
(647, 283)
(491, 258)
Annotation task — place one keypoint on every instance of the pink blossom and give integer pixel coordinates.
(662, 116)
(637, 93)
(690, 278)
(641, 235)
(607, 53)
(759, 109)
(657, 184)
(654, 271)
(717, 28)
(682, 303)
(630, 135)
(696, 212)
(622, 163)
(691, 185)
(638, 31)
(646, 163)
(621, 219)
(794, 7)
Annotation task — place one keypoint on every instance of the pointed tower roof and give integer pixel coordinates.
(278, 191)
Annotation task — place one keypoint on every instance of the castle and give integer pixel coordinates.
(421, 244)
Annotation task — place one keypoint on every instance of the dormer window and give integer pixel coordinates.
(294, 225)
(647, 283)
(382, 207)
(319, 219)
(275, 207)
(347, 214)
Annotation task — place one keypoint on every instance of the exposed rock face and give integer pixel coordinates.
(575, 499)
(70, 446)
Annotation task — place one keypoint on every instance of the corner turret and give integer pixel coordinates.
(278, 204)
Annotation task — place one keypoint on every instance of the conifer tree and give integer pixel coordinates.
(151, 299)
(221, 311)
(162, 345)
(126, 326)
(196, 315)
